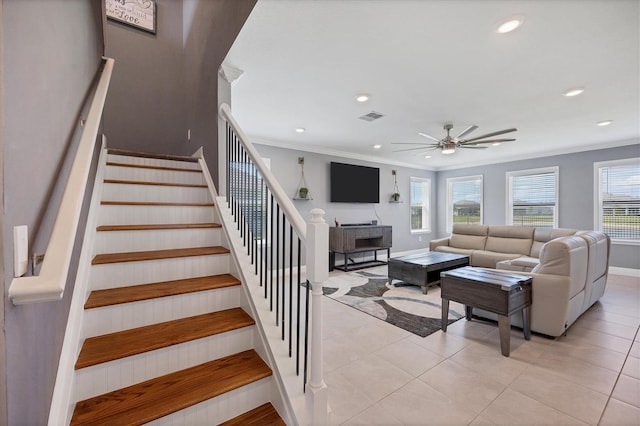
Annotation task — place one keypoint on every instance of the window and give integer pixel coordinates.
(249, 190)
(420, 205)
(533, 198)
(464, 200)
(617, 186)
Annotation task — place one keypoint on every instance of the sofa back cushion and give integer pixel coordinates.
(544, 235)
(567, 256)
(468, 236)
(510, 239)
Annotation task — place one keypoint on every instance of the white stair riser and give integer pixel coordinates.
(153, 175)
(152, 193)
(222, 408)
(152, 162)
(149, 271)
(109, 376)
(143, 215)
(160, 239)
(109, 319)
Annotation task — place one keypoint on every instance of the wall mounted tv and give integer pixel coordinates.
(354, 184)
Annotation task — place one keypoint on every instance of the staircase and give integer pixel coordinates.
(165, 337)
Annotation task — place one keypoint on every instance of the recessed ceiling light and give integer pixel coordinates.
(604, 123)
(427, 156)
(510, 25)
(573, 92)
(300, 129)
(377, 146)
(363, 97)
(496, 144)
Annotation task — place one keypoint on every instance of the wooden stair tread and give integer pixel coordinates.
(136, 256)
(142, 182)
(158, 397)
(154, 203)
(157, 226)
(149, 166)
(115, 296)
(112, 346)
(128, 153)
(264, 415)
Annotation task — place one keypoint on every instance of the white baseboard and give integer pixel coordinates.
(629, 272)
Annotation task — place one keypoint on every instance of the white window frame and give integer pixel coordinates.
(450, 183)
(425, 205)
(542, 170)
(597, 196)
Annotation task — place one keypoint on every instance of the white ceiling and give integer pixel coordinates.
(430, 62)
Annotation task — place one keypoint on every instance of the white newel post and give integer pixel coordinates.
(316, 394)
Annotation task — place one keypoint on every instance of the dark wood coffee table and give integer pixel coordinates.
(424, 269)
(499, 292)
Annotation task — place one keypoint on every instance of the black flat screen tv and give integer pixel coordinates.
(354, 184)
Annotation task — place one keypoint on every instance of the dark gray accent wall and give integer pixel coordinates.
(3, 346)
(576, 192)
(52, 50)
(146, 106)
(165, 84)
(210, 28)
(284, 165)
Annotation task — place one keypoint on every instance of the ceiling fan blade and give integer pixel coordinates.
(428, 136)
(411, 149)
(488, 135)
(498, 141)
(473, 147)
(466, 131)
(414, 143)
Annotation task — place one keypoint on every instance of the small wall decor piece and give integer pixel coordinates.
(140, 14)
(302, 193)
(395, 197)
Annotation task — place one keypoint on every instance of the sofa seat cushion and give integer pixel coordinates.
(489, 259)
(521, 264)
(454, 250)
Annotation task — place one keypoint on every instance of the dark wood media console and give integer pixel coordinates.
(349, 239)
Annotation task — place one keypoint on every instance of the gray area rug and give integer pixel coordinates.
(399, 304)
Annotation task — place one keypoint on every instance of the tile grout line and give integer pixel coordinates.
(619, 374)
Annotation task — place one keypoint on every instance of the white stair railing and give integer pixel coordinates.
(275, 235)
(50, 284)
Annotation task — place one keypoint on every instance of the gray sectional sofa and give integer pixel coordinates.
(569, 267)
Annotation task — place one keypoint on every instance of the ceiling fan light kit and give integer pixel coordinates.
(448, 144)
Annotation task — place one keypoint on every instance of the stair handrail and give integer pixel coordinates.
(50, 283)
(278, 192)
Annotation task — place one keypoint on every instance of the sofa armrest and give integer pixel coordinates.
(439, 242)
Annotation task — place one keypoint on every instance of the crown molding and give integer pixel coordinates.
(337, 153)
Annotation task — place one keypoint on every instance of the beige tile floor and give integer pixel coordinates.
(379, 374)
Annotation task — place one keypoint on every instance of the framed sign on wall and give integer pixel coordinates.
(140, 14)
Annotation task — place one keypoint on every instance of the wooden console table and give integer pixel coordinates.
(358, 239)
(495, 291)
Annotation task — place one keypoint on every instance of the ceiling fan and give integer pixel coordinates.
(449, 144)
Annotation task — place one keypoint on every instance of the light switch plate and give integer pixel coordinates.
(20, 250)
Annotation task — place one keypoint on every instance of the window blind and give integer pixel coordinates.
(619, 192)
(533, 199)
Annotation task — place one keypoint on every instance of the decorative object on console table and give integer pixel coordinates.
(302, 193)
(359, 238)
(141, 14)
(499, 292)
(395, 197)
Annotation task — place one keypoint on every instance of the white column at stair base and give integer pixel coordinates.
(317, 400)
